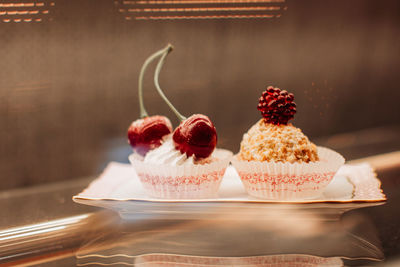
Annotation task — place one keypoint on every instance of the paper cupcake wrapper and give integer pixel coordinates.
(288, 181)
(185, 181)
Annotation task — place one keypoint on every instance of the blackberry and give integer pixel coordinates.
(276, 106)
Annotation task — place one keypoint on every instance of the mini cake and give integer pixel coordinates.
(277, 143)
(276, 160)
(167, 173)
(183, 164)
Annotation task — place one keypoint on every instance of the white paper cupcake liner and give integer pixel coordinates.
(185, 181)
(288, 181)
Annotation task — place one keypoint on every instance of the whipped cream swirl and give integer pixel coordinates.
(167, 154)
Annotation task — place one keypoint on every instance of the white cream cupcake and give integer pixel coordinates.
(167, 173)
(186, 165)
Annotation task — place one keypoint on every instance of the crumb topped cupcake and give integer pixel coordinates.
(276, 160)
(277, 143)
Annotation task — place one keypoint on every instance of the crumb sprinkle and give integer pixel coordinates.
(278, 143)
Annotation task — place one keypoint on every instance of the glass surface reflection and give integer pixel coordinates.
(279, 235)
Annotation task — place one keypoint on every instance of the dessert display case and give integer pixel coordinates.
(98, 171)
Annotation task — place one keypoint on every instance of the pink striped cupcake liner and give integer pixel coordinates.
(183, 181)
(288, 181)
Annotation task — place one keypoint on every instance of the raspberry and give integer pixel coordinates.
(276, 106)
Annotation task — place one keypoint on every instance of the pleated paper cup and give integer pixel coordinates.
(192, 181)
(288, 181)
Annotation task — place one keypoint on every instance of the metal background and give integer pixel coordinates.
(68, 77)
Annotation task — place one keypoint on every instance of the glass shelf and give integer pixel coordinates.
(44, 227)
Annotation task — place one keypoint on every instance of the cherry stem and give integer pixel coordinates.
(156, 77)
(143, 112)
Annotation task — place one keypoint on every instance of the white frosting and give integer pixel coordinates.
(167, 154)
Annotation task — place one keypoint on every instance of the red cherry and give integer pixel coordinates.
(276, 106)
(196, 135)
(146, 134)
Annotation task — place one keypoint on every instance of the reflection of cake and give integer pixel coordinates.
(279, 143)
(169, 260)
(276, 160)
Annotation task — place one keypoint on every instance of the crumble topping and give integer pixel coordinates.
(278, 143)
